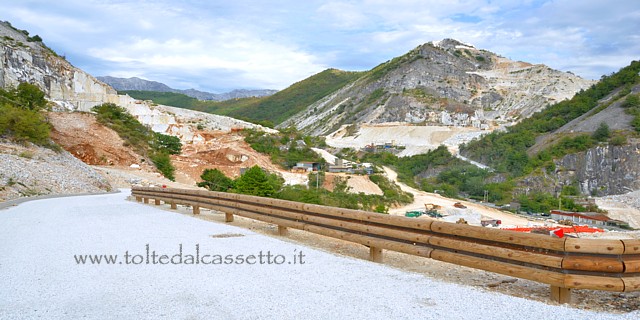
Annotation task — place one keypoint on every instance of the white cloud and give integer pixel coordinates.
(259, 62)
(250, 44)
(343, 15)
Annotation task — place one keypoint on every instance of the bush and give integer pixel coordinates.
(162, 161)
(258, 183)
(20, 116)
(215, 180)
(35, 38)
(618, 140)
(632, 101)
(602, 133)
(166, 143)
(30, 96)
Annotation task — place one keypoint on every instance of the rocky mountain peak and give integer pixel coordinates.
(449, 43)
(442, 83)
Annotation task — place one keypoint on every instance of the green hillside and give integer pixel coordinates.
(509, 152)
(506, 151)
(266, 110)
(165, 98)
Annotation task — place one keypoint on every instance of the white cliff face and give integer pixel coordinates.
(72, 89)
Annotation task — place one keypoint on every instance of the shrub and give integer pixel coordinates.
(258, 183)
(20, 116)
(24, 125)
(30, 96)
(602, 133)
(162, 161)
(35, 38)
(618, 140)
(166, 143)
(632, 101)
(215, 180)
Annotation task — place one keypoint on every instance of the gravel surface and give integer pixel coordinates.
(41, 279)
(27, 171)
(625, 207)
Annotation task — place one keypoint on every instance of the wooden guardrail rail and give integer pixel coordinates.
(564, 264)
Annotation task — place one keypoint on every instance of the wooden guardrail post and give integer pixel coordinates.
(157, 202)
(283, 231)
(375, 254)
(564, 264)
(560, 295)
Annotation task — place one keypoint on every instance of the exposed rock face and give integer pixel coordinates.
(603, 170)
(442, 83)
(146, 85)
(72, 89)
(600, 171)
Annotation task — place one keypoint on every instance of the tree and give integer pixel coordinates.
(167, 143)
(258, 183)
(30, 96)
(215, 180)
(602, 133)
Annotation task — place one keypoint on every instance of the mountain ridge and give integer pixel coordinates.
(442, 83)
(138, 84)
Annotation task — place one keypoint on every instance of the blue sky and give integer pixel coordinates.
(222, 45)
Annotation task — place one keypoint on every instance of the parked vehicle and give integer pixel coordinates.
(413, 214)
(459, 205)
(491, 222)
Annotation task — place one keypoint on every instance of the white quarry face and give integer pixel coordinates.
(72, 89)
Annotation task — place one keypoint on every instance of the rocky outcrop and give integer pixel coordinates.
(445, 83)
(72, 89)
(603, 170)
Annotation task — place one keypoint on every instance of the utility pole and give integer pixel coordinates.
(559, 193)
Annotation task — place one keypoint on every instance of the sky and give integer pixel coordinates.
(219, 46)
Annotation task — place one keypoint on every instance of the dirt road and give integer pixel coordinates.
(473, 212)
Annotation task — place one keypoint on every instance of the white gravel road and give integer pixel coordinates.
(40, 279)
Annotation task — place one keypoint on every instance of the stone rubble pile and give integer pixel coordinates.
(33, 171)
